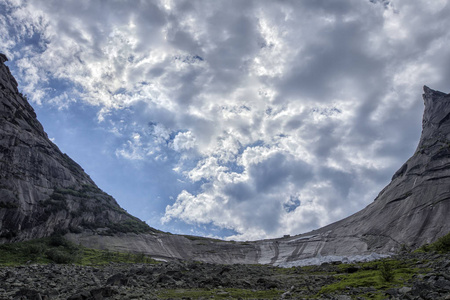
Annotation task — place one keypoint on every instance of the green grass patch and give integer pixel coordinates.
(225, 293)
(42, 251)
(58, 250)
(103, 257)
(286, 271)
(381, 275)
(442, 245)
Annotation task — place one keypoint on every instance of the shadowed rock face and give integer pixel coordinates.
(42, 191)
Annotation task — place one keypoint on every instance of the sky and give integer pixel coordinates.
(234, 119)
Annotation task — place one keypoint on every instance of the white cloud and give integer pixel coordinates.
(184, 141)
(284, 116)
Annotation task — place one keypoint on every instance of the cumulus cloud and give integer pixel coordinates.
(283, 115)
(183, 141)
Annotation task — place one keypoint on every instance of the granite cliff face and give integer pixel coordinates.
(411, 211)
(43, 191)
(414, 208)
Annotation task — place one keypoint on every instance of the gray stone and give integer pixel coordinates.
(405, 290)
(412, 210)
(118, 279)
(43, 191)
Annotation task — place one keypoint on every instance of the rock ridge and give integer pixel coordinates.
(43, 192)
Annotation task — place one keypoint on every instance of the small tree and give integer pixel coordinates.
(386, 271)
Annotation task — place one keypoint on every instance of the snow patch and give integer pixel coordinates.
(332, 258)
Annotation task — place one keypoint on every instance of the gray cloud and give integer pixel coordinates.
(281, 116)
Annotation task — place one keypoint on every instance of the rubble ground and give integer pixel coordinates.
(96, 274)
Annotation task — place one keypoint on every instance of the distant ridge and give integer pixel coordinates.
(43, 192)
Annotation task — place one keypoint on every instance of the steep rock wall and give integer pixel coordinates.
(42, 190)
(412, 210)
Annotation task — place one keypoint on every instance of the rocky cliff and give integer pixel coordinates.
(43, 191)
(412, 210)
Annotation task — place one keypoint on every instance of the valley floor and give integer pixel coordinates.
(406, 276)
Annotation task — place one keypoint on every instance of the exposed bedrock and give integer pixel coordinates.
(412, 210)
(43, 192)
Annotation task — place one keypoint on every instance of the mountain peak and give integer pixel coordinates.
(6, 79)
(430, 93)
(436, 120)
(42, 190)
(3, 58)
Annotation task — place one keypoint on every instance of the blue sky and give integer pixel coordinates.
(234, 119)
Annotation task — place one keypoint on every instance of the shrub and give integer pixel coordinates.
(108, 255)
(60, 257)
(386, 271)
(131, 225)
(58, 240)
(139, 258)
(34, 249)
(442, 245)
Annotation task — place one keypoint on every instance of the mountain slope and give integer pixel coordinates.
(415, 207)
(411, 211)
(42, 190)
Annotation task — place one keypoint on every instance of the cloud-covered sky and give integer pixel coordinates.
(237, 119)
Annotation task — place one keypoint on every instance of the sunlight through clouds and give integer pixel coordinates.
(269, 117)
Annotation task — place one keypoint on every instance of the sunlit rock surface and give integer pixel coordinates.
(412, 210)
(43, 191)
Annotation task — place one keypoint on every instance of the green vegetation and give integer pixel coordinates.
(102, 257)
(57, 196)
(386, 271)
(200, 238)
(84, 192)
(91, 200)
(367, 280)
(130, 225)
(225, 293)
(54, 249)
(442, 245)
(54, 205)
(380, 275)
(58, 250)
